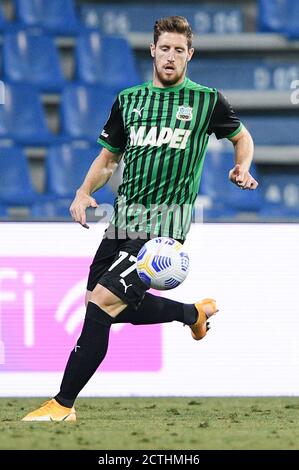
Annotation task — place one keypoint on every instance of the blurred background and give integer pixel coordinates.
(62, 63)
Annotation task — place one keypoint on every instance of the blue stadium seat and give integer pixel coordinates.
(273, 130)
(84, 111)
(32, 58)
(279, 16)
(51, 208)
(226, 197)
(59, 208)
(66, 168)
(106, 61)
(231, 74)
(292, 23)
(3, 212)
(281, 195)
(22, 117)
(272, 15)
(2, 20)
(55, 16)
(16, 188)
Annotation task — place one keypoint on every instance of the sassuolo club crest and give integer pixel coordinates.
(184, 113)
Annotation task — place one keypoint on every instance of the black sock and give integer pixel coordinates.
(158, 310)
(87, 355)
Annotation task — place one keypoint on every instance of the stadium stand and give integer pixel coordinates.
(279, 16)
(84, 110)
(57, 99)
(225, 199)
(281, 195)
(99, 57)
(238, 74)
(125, 18)
(55, 16)
(273, 130)
(3, 212)
(66, 166)
(272, 15)
(32, 58)
(22, 117)
(16, 188)
(2, 20)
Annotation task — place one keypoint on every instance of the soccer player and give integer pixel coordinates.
(161, 129)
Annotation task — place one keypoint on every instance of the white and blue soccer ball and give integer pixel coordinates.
(162, 263)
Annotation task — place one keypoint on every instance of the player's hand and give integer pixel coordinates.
(79, 206)
(242, 178)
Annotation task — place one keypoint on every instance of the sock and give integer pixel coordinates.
(87, 355)
(158, 310)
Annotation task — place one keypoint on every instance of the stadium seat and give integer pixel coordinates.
(2, 20)
(281, 194)
(22, 117)
(66, 167)
(231, 74)
(16, 188)
(272, 15)
(51, 208)
(32, 58)
(292, 22)
(273, 130)
(3, 211)
(55, 16)
(106, 61)
(84, 111)
(226, 197)
(279, 16)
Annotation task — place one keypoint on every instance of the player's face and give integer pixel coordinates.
(171, 55)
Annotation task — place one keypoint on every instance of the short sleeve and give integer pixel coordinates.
(224, 123)
(113, 134)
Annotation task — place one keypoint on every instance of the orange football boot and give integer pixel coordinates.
(51, 411)
(206, 308)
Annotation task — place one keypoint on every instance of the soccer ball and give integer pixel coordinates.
(162, 264)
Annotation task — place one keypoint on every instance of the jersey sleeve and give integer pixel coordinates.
(224, 123)
(113, 134)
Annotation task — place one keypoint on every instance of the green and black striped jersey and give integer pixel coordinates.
(163, 134)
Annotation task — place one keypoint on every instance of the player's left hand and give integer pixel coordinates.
(242, 178)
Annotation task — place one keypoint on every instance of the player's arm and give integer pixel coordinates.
(243, 146)
(225, 124)
(98, 174)
(113, 139)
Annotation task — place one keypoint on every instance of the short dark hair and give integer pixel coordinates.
(173, 24)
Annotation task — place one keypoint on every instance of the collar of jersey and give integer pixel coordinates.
(170, 88)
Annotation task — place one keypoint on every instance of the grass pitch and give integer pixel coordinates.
(157, 423)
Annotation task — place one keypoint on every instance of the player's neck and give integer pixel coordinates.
(158, 84)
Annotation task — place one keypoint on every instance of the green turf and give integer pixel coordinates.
(157, 423)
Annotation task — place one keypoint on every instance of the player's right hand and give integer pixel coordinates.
(242, 178)
(79, 206)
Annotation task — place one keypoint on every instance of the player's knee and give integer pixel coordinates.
(106, 300)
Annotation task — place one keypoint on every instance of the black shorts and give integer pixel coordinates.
(114, 268)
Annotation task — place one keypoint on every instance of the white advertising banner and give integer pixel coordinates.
(252, 270)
